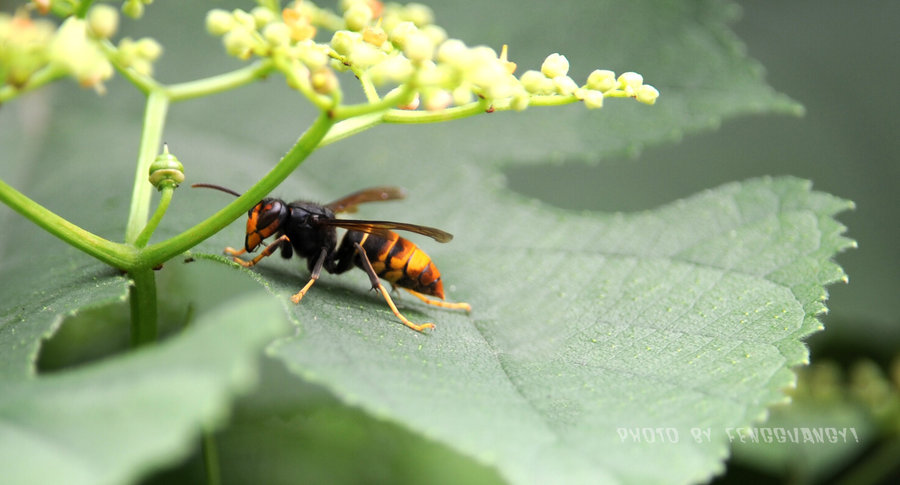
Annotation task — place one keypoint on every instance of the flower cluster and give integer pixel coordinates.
(36, 48)
(399, 45)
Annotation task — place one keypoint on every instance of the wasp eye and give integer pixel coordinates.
(270, 213)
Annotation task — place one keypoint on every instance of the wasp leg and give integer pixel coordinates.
(376, 285)
(317, 269)
(441, 303)
(271, 248)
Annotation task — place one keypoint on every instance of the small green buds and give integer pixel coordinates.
(135, 8)
(166, 171)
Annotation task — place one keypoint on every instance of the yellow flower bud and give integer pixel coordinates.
(219, 22)
(103, 20)
(646, 94)
(602, 80)
(357, 16)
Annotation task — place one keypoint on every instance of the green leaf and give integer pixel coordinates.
(109, 422)
(679, 318)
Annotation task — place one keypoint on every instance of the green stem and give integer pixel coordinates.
(164, 200)
(392, 100)
(144, 83)
(82, 8)
(361, 122)
(116, 255)
(142, 298)
(222, 82)
(454, 113)
(554, 100)
(43, 76)
(211, 459)
(154, 119)
(169, 248)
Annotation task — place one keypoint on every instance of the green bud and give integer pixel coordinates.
(602, 80)
(555, 65)
(103, 20)
(323, 81)
(219, 22)
(133, 8)
(166, 170)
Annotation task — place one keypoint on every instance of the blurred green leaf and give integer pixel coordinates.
(109, 422)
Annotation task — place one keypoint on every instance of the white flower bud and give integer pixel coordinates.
(646, 94)
(592, 99)
(418, 47)
(602, 80)
(555, 65)
(564, 85)
(103, 20)
(219, 22)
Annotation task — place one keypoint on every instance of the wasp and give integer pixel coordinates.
(308, 229)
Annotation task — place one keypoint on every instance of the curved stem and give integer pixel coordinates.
(308, 142)
(116, 255)
(43, 76)
(222, 82)
(392, 100)
(164, 200)
(151, 138)
(454, 113)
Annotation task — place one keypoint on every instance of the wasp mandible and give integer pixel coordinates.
(308, 230)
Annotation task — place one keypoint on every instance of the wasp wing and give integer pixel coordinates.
(372, 194)
(384, 227)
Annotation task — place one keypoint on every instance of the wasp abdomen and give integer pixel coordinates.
(400, 261)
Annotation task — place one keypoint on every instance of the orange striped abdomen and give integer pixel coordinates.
(401, 262)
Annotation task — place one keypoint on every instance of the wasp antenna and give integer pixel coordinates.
(217, 187)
